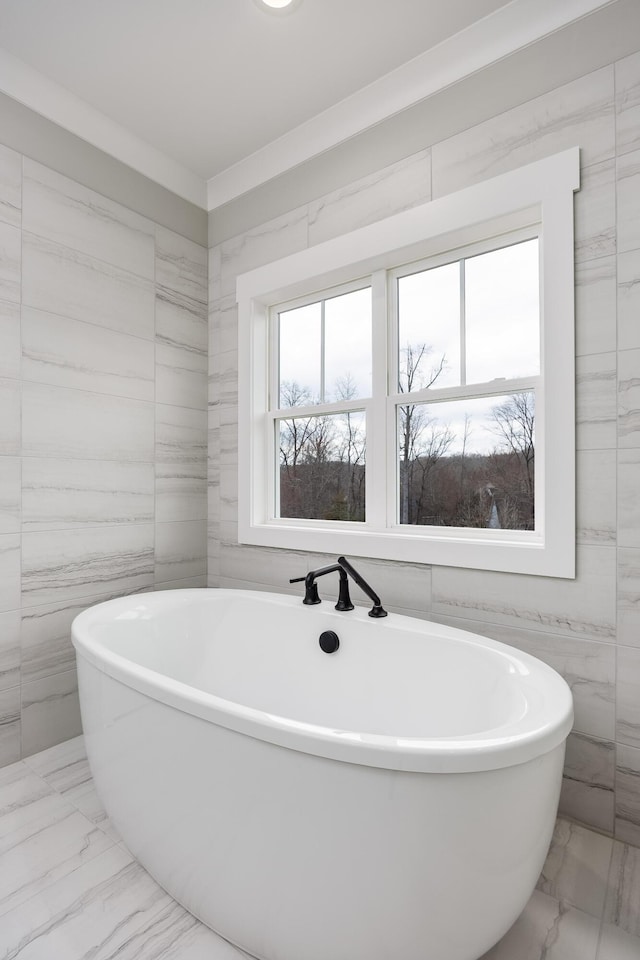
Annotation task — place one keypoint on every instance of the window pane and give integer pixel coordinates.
(468, 463)
(502, 313)
(300, 355)
(429, 328)
(348, 346)
(322, 467)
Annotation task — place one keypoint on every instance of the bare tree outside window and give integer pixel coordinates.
(322, 460)
(422, 443)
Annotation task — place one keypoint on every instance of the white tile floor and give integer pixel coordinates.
(70, 890)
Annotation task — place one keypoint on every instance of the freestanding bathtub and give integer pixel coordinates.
(395, 798)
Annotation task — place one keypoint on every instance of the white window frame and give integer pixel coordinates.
(538, 198)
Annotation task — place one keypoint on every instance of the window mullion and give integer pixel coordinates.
(376, 407)
(463, 327)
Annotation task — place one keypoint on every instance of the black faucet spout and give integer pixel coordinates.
(377, 609)
(311, 587)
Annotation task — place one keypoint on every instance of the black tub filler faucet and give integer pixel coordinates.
(342, 567)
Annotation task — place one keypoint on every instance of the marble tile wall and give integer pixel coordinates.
(103, 359)
(588, 629)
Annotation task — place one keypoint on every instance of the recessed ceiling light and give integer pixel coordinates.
(278, 6)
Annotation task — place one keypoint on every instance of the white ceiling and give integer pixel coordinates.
(189, 91)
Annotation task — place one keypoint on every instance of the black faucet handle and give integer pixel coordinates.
(311, 595)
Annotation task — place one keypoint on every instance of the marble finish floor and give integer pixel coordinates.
(70, 890)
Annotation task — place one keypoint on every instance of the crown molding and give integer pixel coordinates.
(502, 33)
(31, 88)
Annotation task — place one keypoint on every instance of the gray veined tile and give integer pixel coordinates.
(576, 870)
(214, 271)
(181, 376)
(270, 241)
(9, 649)
(71, 214)
(75, 424)
(110, 908)
(616, 944)
(388, 191)
(9, 339)
(9, 418)
(595, 496)
(181, 484)
(70, 353)
(629, 596)
(596, 409)
(10, 495)
(223, 325)
(623, 897)
(595, 212)
(629, 397)
(580, 112)
(45, 637)
(65, 768)
(10, 186)
(628, 200)
(628, 794)
(68, 494)
(63, 281)
(548, 930)
(627, 73)
(41, 841)
(9, 572)
(588, 803)
(591, 761)
(68, 564)
(50, 711)
(228, 492)
(191, 583)
(20, 788)
(627, 699)
(181, 437)
(181, 550)
(9, 726)
(628, 299)
(224, 384)
(181, 265)
(628, 501)
(180, 321)
(265, 565)
(584, 607)
(10, 258)
(595, 306)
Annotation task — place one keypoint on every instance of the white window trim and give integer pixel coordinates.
(540, 193)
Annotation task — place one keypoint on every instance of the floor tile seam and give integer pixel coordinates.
(63, 793)
(23, 904)
(30, 772)
(63, 790)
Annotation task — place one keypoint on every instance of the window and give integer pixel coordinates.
(406, 391)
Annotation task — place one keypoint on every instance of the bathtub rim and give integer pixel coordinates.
(410, 754)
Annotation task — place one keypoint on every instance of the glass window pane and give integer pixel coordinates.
(322, 467)
(429, 328)
(348, 346)
(502, 313)
(468, 463)
(300, 355)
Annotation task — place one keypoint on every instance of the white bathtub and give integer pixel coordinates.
(394, 799)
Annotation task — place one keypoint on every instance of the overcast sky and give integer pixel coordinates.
(501, 329)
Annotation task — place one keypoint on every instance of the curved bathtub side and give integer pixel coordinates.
(284, 853)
